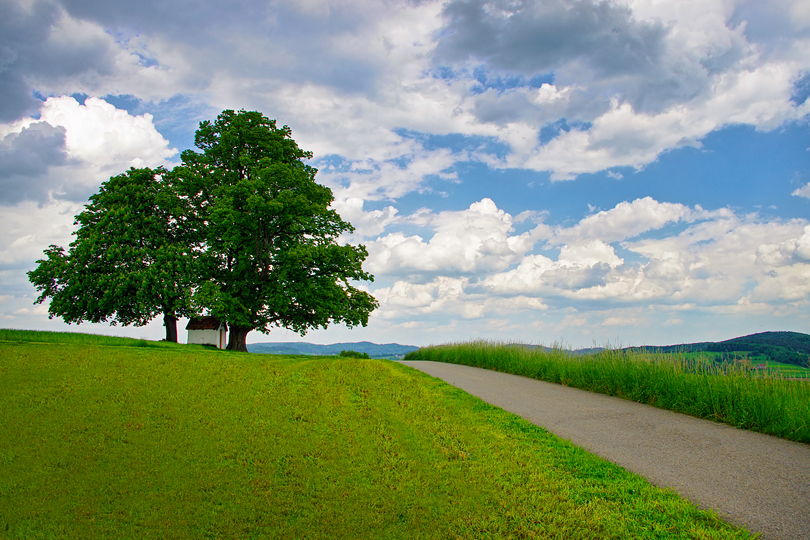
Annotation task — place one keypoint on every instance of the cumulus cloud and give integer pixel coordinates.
(25, 158)
(625, 137)
(694, 68)
(367, 223)
(446, 295)
(29, 228)
(792, 250)
(579, 266)
(46, 50)
(629, 219)
(98, 132)
(538, 37)
(467, 241)
(630, 79)
(722, 261)
(470, 263)
(392, 176)
(443, 294)
(803, 191)
(717, 258)
(71, 148)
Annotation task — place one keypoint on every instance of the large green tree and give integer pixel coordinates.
(273, 255)
(131, 259)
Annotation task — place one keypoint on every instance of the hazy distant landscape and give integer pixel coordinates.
(390, 351)
(779, 347)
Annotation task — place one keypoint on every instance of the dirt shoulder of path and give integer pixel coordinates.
(754, 480)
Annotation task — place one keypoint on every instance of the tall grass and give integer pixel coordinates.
(695, 386)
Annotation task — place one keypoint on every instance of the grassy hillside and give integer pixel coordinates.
(784, 347)
(686, 383)
(108, 439)
(76, 338)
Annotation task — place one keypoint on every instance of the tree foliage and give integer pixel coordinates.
(273, 256)
(354, 354)
(130, 260)
(240, 230)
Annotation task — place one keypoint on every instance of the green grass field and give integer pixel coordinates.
(780, 369)
(76, 338)
(773, 369)
(103, 439)
(690, 384)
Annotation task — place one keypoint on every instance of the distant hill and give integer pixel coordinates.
(787, 347)
(374, 350)
(575, 352)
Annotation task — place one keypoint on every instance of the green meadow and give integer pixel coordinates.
(756, 364)
(780, 369)
(110, 438)
(769, 401)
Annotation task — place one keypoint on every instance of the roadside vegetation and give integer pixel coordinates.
(124, 440)
(731, 393)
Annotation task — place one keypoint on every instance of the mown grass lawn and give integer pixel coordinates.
(137, 442)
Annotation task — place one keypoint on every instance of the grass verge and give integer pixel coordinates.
(141, 442)
(77, 338)
(772, 405)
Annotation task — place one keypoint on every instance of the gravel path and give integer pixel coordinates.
(754, 480)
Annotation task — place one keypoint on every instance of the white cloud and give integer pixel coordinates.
(614, 320)
(28, 229)
(589, 253)
(579, 267)
(704, 73)
(367, 224)
(443, 294)
(721, 259)
(97, 140)
(622, 136)
(472, 265)
(97, 132)
(472, 240)
(629, 219)
(803, 191)
(635, 79)
(391, 177)
(448, 296)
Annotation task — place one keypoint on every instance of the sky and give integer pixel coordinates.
(570, 172)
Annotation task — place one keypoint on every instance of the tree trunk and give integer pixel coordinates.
(170, 322)
(237, 338)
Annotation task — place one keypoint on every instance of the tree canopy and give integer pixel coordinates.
(272, 252)
(240, 230)
(130, 260)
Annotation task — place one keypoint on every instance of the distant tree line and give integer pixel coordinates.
(354, 354)
(239, 230)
